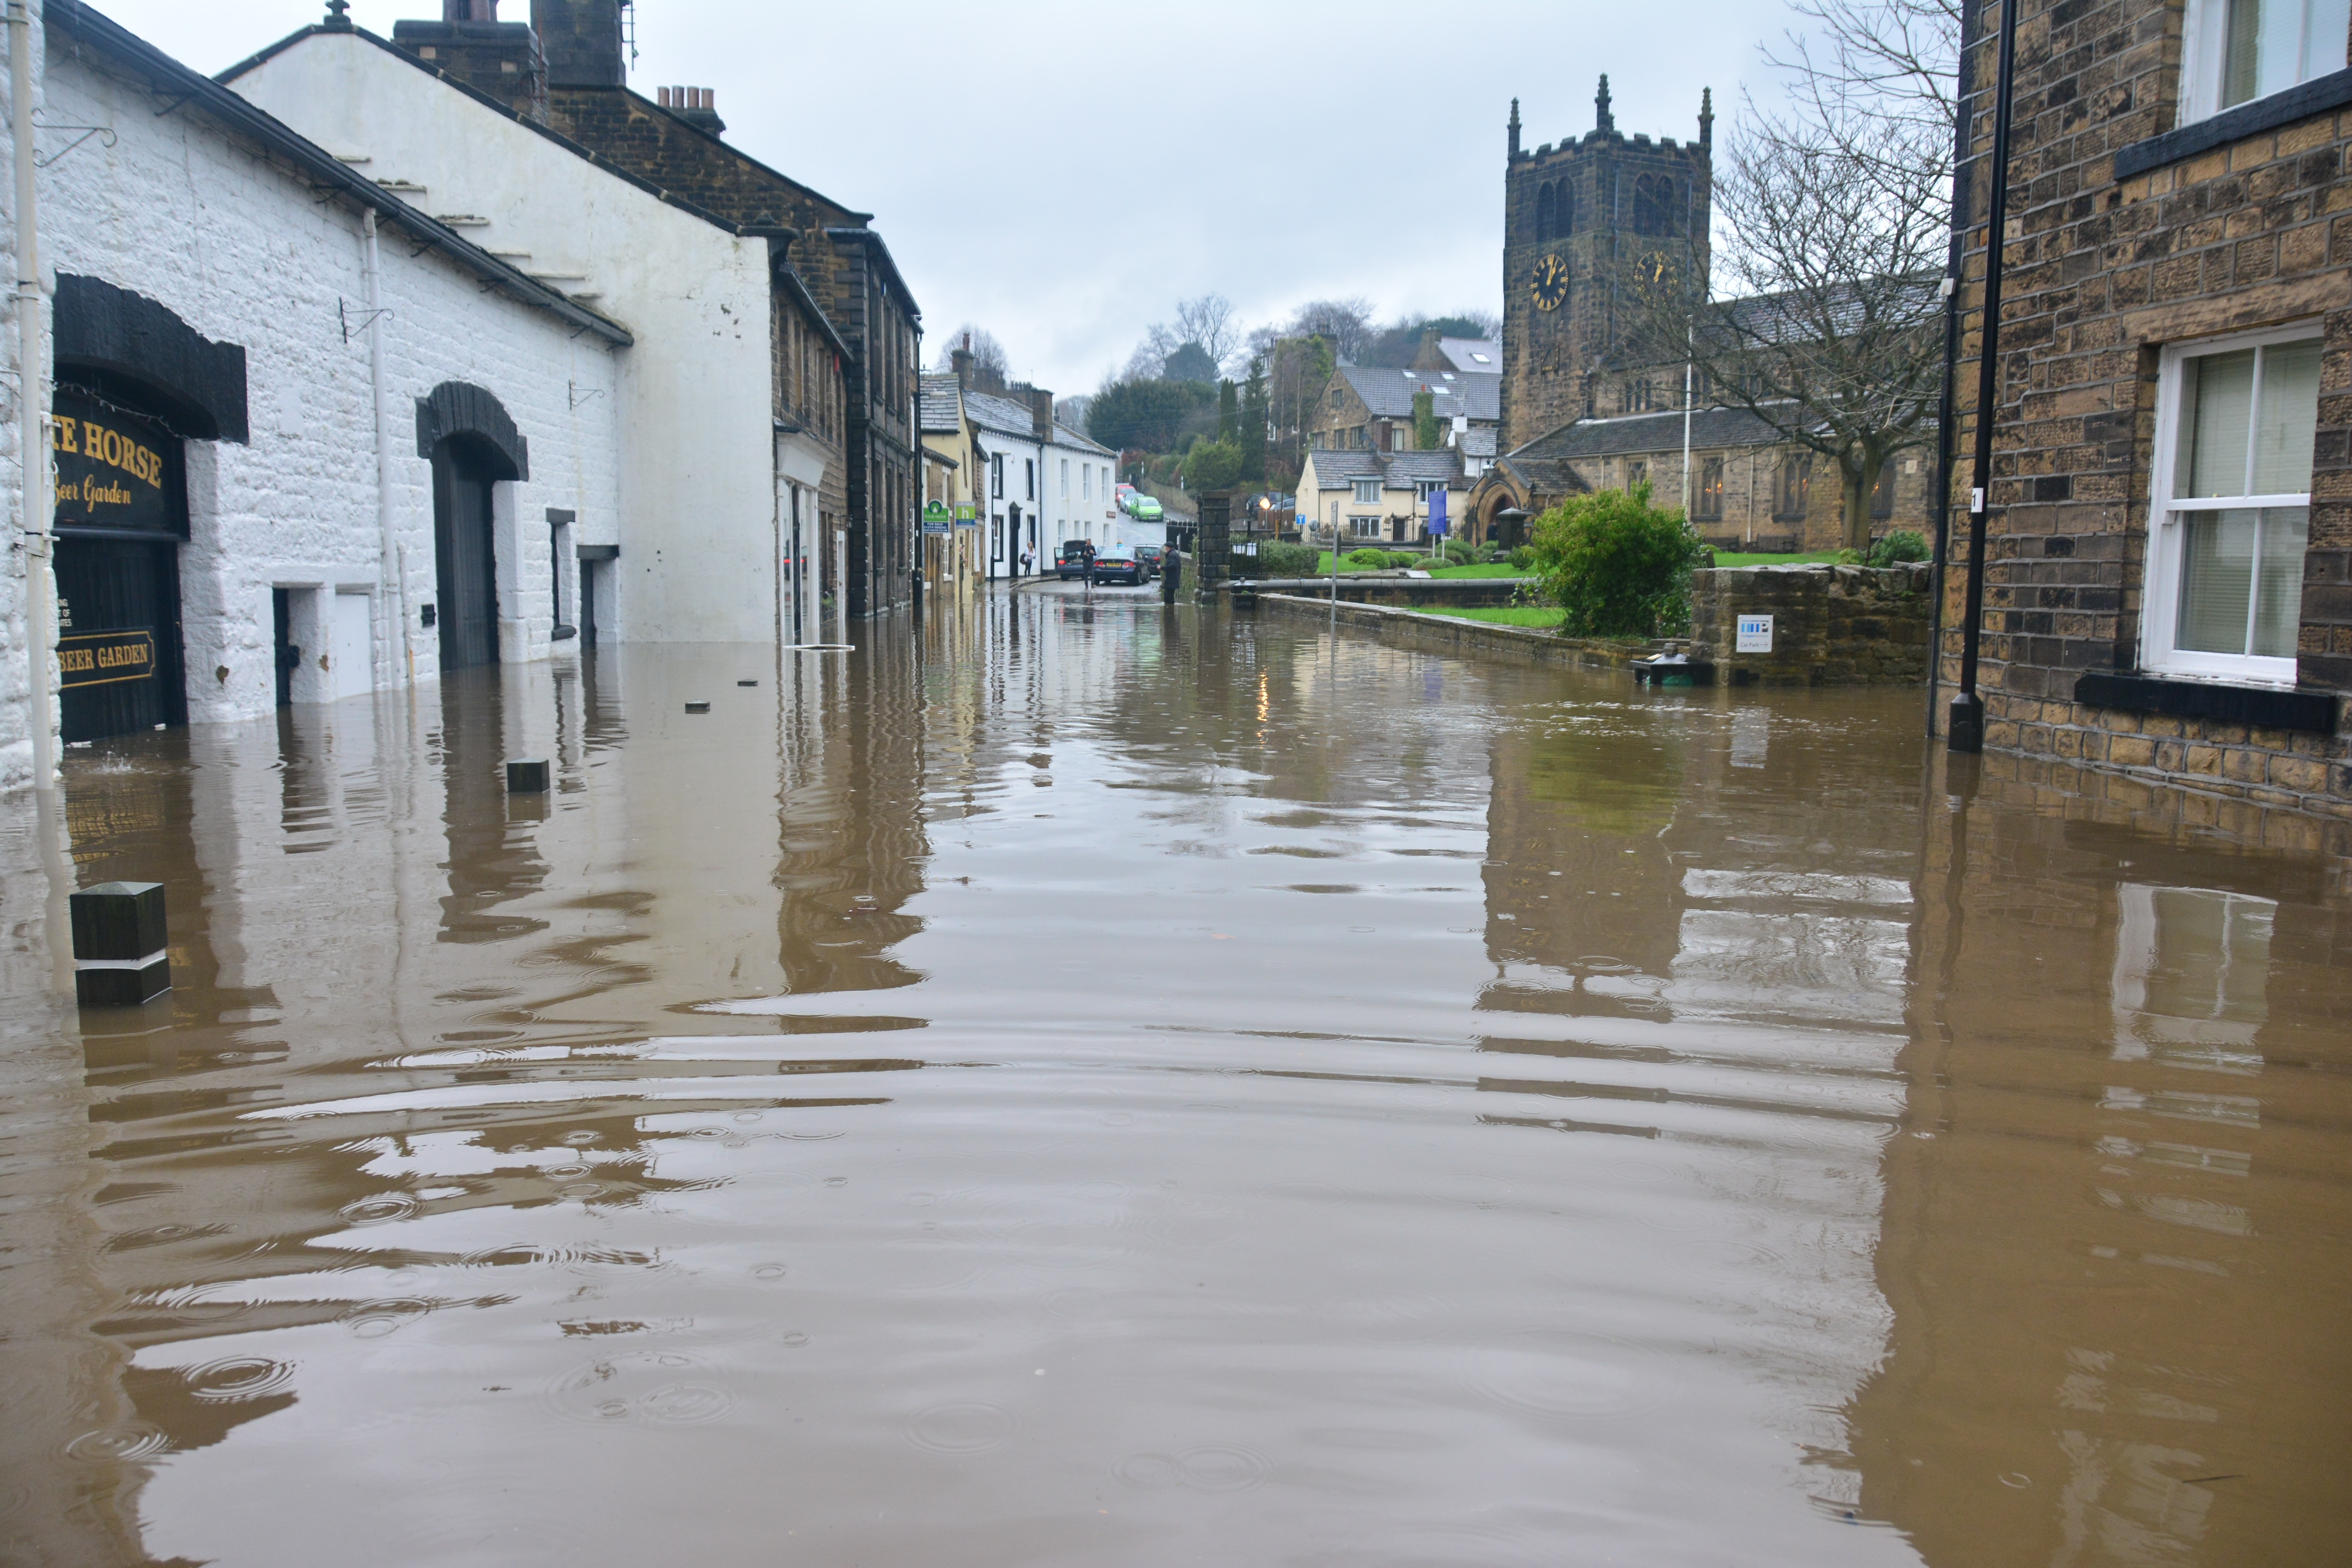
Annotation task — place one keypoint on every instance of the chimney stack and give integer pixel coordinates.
(469, 10)
(961, 359)
(582, 42)
(698, 106)
(1041, 414)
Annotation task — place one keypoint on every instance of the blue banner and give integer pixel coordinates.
(1437, 513)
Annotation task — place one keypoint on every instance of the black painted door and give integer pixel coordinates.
(118, 636)
(465, 559)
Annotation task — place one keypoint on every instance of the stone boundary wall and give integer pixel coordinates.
(1462, 592)
(1468, 639)
(1833, 626)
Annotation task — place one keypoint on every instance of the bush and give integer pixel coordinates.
(1899, 546)
(1367, 558)
(1616, 564)
(1524, 557)
(1278, 560)
(1213, 466)
(1458, 553)
(1411, 560)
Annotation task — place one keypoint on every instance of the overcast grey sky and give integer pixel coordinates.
(1061, 173)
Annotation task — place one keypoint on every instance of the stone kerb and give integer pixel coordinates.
(1833, 626)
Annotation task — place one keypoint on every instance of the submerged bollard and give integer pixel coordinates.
(747, 683)
(527, 776)
(120, 958)
(697, 706)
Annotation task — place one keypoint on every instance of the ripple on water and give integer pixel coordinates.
(380, 1209)
(237, 1377)
(1060, 1229)
(1566, 1374)
(129, 1442)
(373, 1320)
(1212, 1468)
(653, 1388)
(961, 1426)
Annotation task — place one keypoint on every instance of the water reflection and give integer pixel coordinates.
(1086, 1080)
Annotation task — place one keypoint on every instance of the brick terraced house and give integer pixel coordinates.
(2168, 583)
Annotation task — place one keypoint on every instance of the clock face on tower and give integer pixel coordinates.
(1548, 281)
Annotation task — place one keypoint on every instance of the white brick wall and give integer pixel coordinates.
(695, 399)
(244, 252)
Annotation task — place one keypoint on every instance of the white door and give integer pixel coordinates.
(351, 654)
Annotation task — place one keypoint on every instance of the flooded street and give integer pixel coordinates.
(1094, 1083)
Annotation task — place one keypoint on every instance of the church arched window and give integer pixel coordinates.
(1547, 212)
(1654, 205)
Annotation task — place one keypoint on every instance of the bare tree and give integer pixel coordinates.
(986, 351)
(1347, 322)
(1835, 218)
(1209, 320)
(1876, 67)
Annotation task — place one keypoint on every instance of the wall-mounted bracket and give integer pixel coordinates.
(352, 321)
(107, 131)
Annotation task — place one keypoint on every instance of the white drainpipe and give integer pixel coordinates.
(393, 560)
(32, 424)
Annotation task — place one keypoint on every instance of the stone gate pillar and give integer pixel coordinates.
(1214, 541)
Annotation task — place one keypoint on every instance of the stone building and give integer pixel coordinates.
(1379, 497)
(569, 87)
(953, 466)
(307, 441)
(1587, 403)
(1372, 408)
(1576, 217)
(2167, 571)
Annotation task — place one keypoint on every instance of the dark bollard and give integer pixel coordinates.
(119, 944)
(527, 777)
(697, 706)
(747, 683)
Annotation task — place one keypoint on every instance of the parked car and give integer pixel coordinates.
(1154, 556)
(1119, 564)
(1143, 507)
(1071, 560)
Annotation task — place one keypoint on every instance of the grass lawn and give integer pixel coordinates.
(1504, 617)
(1802, 558)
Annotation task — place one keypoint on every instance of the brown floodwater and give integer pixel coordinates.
(1081, 1082)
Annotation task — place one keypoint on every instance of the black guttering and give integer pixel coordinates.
(2318, 96)
(322, 167)
(2312, 712)
(586, 154)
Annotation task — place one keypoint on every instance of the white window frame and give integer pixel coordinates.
(1375, 528)
(1065, 478)
(2161, 599)
(2205, 52)
(1358, 487)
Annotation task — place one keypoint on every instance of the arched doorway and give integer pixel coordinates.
(474, 447)
(465, 552)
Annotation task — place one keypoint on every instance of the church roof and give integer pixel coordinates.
(1711, 429)
(1389, 393)
(1478, 442)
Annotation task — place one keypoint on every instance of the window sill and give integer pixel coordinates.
(2271, 707)
(2317, 96)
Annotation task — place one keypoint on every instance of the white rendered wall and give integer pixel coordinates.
(691, 407)
(244, 252)
(17, 661)
(1016, 452)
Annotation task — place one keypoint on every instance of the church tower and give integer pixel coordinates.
(1577, 218)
